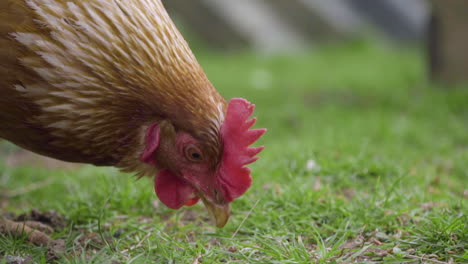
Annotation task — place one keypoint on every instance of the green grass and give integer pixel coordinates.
(390, 183)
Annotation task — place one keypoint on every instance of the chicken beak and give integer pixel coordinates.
(219, 213)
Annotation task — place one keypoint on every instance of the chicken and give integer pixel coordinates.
(113, 83)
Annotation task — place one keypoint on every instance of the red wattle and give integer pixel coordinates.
(192, 201)
(173, 191)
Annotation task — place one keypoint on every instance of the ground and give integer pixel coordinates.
(365, 162)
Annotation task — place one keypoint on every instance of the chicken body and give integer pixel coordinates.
(112, 82)
(81, 80)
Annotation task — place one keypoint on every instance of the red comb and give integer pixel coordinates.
(237, 136)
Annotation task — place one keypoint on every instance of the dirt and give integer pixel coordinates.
(56, 249)
(90, 241)
(49, 219)
(17, 260)
(37, 226)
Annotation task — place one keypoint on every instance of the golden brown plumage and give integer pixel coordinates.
(85, 80)
(87, 76)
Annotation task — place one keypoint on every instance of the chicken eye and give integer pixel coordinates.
(192, 153)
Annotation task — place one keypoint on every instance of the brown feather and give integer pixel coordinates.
(81, 80)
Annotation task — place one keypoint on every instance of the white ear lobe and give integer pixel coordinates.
(151, 143)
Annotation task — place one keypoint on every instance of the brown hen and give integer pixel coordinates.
(113, 83)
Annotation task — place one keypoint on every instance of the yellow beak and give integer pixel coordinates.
(220, 214)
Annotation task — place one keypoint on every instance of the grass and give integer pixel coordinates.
(365, 162)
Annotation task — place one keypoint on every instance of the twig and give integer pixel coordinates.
(28, 188)
(137, 245)
(425, 259)
(19, 229)
(245, 218)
